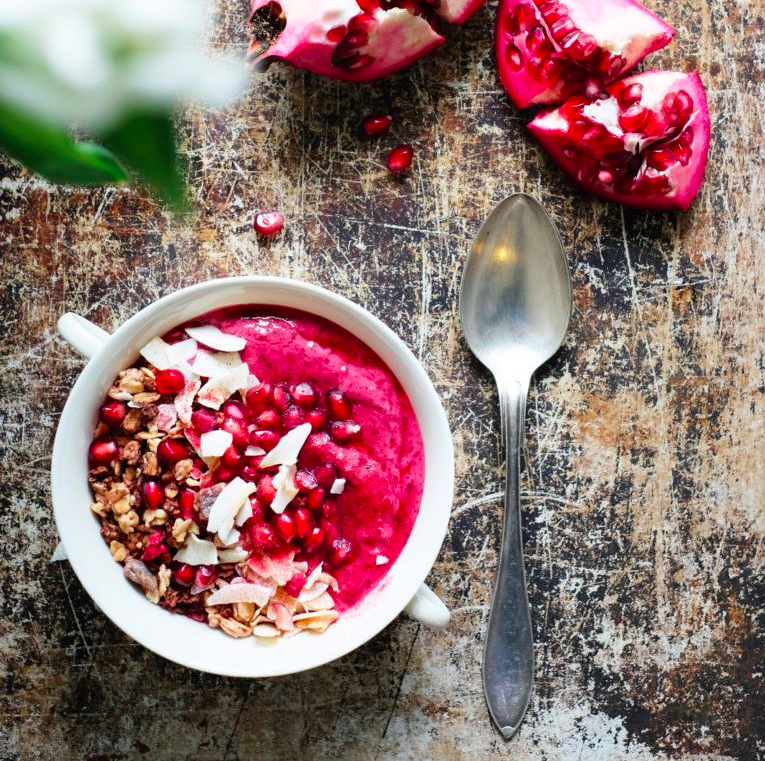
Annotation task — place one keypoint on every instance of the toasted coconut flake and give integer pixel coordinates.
(218, 389)
(197, 552)
(313, 576)
(210, 364)
(286, 489)
(381, 560)
(318, 621)
(287, 450)
(244, 514)
(183, 351)
(279, 568)
(331, 581)
(338, 487)
(258, 594)
(265, 631)
(227, 505)
(233, 555)
(253, 451)
(282, 617)
(214, 443)
(157, 353)
(167, 417)
(229, 539)
(215, 338)
(318, 589)
(322, 602)
(185, 400)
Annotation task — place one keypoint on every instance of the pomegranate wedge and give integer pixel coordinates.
(645, 144)
(354, 40)
(548, 50)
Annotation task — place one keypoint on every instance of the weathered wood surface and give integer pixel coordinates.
(644, 484)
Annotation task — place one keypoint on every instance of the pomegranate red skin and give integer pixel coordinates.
(666, 156)
(548, 50)
(352, 40)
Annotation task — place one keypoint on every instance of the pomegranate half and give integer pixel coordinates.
(548, 50)
(644, 144)
(353, 40)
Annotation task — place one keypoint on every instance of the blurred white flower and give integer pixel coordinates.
(89, 62)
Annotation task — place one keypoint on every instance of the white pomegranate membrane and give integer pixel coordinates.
(259, 469)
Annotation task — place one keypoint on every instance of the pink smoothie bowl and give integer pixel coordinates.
(178, 638)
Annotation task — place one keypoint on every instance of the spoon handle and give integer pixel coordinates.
(508, 661)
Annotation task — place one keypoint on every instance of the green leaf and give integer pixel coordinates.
(49, 151)
(145, 142)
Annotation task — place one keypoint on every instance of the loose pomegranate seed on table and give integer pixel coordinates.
(375, 125)
(268, 223)
(400, 158)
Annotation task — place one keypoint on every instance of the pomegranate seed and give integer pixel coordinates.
(305, 481)
(258, 396)
(304, 395)
(250, 473)
(205, 574)
(293, 416)
(232, 458)
(268, 223)
(400, 158)
(340, 552)
(153, 495)
(204, 421)
(316, 418)
(224, 474)
(104, 451)
(264, 439)
(171, 451)
(316, 498)
(285, 525)
(633, 118)
(336, 33)
(326, 473)
(169, 381)
(294, 586)
(238, 430)
(266, 490)
(186, 503)
(314, 540)
(303, 522)
(267, 419)
(235, 410)
(113, 413)
(184, 575)
(282, 397)
(330, 532)
(343, 431)
(154, 551)
(329, 511)
(375, 124)
(630, 94)
(338, 403)
(263, 538)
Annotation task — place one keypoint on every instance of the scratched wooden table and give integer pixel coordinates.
(643, 490)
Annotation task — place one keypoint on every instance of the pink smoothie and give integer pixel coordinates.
(383, 467)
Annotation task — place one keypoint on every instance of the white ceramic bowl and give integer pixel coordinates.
(177, 637)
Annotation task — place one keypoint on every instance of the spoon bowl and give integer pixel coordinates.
(515, 301)
(515, 306)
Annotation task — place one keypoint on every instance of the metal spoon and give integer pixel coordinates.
(515, 305)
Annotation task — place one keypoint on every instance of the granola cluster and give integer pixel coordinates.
(153, 495)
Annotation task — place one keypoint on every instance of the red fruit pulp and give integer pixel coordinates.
(645, 144)
(355, 41)
(548, 50)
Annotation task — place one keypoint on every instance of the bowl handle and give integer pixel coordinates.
(82, 334)
(428, 608)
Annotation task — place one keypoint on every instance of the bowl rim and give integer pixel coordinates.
(82, 401)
